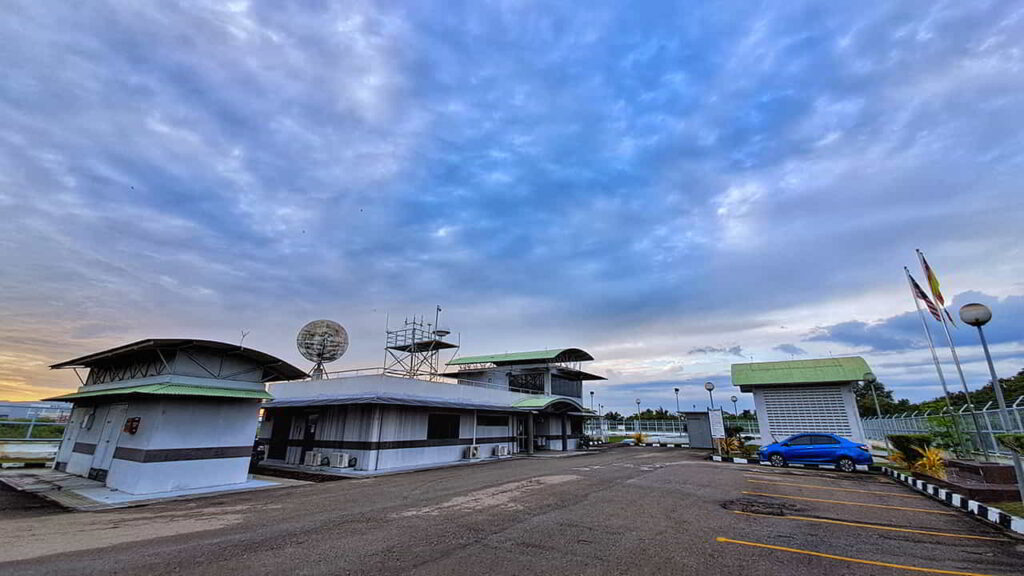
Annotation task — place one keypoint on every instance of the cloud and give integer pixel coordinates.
(638, 181)
(730, 350)
(791, 349)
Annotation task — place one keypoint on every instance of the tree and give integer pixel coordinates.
(866, 402)
(613, 416)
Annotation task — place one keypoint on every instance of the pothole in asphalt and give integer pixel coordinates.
(760, 506)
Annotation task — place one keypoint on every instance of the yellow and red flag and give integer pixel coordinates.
(933, 284)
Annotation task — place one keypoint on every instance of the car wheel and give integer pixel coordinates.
(777, 460)
(847, 465)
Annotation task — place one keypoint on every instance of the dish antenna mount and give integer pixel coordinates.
(321, 342)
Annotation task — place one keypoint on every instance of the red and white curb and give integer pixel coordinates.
(973, 507)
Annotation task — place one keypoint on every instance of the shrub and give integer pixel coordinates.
(906, 445)
(1014, 442)
(929, 461)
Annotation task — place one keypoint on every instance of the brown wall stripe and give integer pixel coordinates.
(399, 444)
(83, 448)
(181, 454)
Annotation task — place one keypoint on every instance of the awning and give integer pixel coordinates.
(167, 390)
(389, 399)
(542, 402)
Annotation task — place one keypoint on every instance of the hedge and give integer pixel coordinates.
(905, 444)
(1014, 442)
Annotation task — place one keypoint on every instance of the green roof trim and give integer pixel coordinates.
(541, 402)
(169, 390)
(818, 371)
(555, 355)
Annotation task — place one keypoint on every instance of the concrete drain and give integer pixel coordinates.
(760, 506)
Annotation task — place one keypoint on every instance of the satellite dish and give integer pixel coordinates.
(322, 341)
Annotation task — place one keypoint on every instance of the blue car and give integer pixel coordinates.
(817, 449)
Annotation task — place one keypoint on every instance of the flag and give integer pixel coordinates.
(933, 284)
(920, 295)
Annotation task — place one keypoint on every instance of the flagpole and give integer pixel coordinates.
(935, 358)
(956, 362)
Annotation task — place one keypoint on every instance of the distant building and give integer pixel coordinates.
(40, 410)
(487, 407)
(167, 414)
(799, 396)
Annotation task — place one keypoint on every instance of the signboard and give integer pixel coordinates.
(717, 424)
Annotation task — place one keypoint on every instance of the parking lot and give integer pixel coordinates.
(622, 511)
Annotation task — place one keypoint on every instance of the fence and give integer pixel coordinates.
(929, 421)
(670, 427)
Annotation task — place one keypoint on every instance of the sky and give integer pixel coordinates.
(673, 187)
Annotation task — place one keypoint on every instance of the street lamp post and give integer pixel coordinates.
(591, 400)
(978, 315)
(870, 379)
(735, 410)
(638, 416)
(679, 415)
(709, 386)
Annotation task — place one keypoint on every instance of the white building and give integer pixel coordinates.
(798, 396)
(169, 414)
(492, 406)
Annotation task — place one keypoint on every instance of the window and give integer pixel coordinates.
(492, 420)
(823, 440)
(443, 426)
(799, 441)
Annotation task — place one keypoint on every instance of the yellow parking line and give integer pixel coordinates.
(875, 492)
(853, 560)
(875, 526)
(852, 503)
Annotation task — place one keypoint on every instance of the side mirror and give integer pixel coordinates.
(786, 444)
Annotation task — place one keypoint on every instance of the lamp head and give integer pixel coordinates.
(709, 386)
(733, 398)
(677, 390)
(869, 378)
(975, 314)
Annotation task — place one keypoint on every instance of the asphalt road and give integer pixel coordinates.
(622, 511)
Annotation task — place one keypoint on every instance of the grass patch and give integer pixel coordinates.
(1015, 508)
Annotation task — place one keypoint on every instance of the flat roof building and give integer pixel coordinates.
(162, 415)
(798, 396)
(486, 407)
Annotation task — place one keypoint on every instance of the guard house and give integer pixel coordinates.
(409, 415)
(799, 396)
(162, 415)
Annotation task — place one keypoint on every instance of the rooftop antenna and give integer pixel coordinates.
(321, 342)
(412, 350)
(242, 341)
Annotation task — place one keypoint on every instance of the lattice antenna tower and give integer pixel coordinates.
(413, 349)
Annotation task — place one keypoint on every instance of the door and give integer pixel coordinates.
(280, 430)
(822, 448)
(107, 442)
(74, 426)
(309, 434)
(520, 424)
(800, 449)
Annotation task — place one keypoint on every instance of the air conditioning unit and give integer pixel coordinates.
(472, 452)
(312, 459)
(501, 450)
(338, 460)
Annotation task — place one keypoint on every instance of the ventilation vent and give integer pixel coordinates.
(798, 410)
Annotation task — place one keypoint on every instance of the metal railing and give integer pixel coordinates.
(32, 429)
(669, 427)
(929, 422)
(379, 370)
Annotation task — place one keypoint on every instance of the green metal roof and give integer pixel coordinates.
(169, 390)
(541, 402)
(818, 371)
(555, 355)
